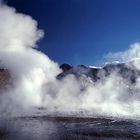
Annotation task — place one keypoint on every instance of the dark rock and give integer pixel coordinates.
(65, 67)
(5, 78)
(125, 70)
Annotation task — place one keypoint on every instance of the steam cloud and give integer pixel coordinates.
(34, 76)
(29, 68)
(132, 53)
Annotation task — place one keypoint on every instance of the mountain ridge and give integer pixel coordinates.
(127, 71)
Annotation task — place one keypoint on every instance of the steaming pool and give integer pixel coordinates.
(68, 128)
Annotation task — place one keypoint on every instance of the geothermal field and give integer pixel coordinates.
(41, 99)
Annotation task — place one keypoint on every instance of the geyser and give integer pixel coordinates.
(34, 76)
(29, 68)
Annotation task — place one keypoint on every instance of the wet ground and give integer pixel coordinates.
(68, 128)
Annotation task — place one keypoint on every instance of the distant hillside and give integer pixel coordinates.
(126, 70)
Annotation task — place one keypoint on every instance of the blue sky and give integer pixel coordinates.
(82, 31)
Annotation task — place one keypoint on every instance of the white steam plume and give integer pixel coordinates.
(29, 68)
(130, 54)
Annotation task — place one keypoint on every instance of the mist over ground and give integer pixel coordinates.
(34, 82)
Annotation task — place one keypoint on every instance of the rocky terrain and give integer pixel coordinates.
(127, 71)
